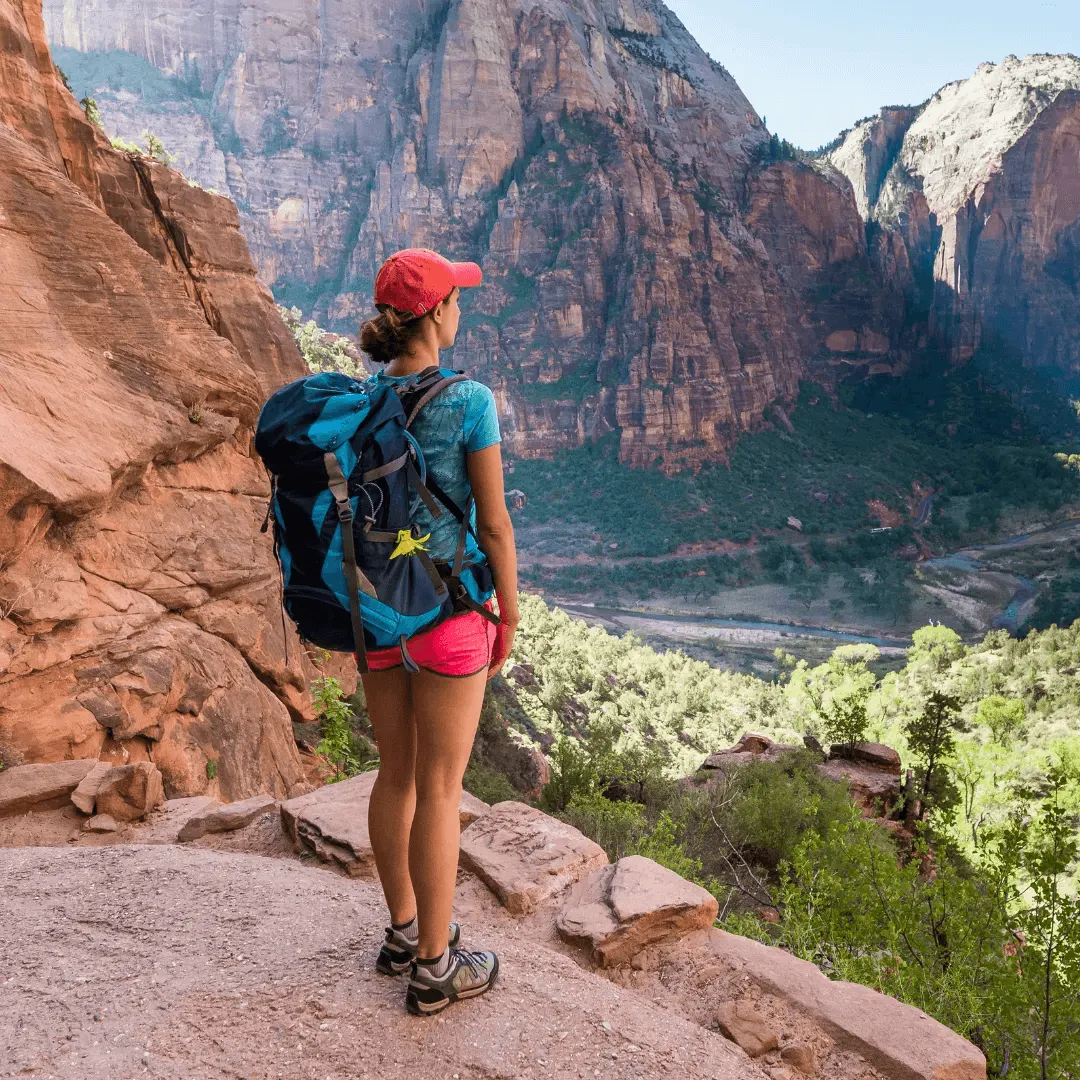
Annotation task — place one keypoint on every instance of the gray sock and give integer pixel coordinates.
(409, 931)
(438, 966)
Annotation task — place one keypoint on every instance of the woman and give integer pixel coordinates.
(425, 722)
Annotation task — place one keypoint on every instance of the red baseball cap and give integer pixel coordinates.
(416, 280)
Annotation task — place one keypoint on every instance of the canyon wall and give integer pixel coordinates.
(979, 191)
(139, 603)
(650, 270)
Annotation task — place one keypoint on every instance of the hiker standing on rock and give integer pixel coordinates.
(391, 528)
(425, 719)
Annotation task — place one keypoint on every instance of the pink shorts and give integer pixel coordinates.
(459, 646)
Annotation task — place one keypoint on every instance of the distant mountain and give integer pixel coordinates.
(976, 195)
(652, 268)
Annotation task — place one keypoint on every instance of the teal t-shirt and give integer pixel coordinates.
(459, 421)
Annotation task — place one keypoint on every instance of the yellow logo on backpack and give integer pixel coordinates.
(407, 544)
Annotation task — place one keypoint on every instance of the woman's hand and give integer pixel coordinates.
(504, 636)
(500, 651)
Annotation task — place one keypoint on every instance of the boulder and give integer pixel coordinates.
(84, 795)
(740, 1022)
(232, 816)
(40, 787)
(896, 1039)
(753, 744)
(801, 1057)
(748, 748)
(101, 823)
(877, 755)
(876, 791)
(620, 909)
(331, 822)
(130, 792)
(526, 857)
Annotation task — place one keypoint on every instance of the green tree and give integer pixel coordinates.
(93, 114)
(155, 148)
(1039, 849)
(932, 742)
(836, 694)
(809, 588)
(1003, 716)
(933, 650)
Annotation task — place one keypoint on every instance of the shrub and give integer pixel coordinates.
(350, 753)
(616, 826)
(488, 784)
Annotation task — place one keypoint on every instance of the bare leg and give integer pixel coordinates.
(445, 712)
(393, 799)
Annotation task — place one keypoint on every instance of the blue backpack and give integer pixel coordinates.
(344, 471)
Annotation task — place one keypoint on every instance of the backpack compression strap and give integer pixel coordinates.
(339, 488)
(429, 384)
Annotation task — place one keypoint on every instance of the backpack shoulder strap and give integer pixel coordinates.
(427, 388)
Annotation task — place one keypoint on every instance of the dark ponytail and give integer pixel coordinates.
(388, 335)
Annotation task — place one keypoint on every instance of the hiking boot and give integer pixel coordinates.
(464, 975)
(398, 951)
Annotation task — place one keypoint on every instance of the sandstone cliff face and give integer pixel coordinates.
(139, 610)
(981, 188)
(647, 271)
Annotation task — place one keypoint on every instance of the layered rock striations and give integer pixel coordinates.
(977, 196)
(650, 271)
(139, 614)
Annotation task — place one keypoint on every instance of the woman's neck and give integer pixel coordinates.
(423, 354)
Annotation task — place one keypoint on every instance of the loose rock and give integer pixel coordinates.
(620, 909)
(526, 857)
(800, 1056)
(84, 795)
(40, 787)
(740, 1022)
(101, 823)
(218, 819)
(129, 792)
(896, 1039)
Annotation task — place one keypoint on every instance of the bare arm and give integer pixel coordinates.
(495, 532)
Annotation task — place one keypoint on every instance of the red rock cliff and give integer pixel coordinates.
(647, 273)
(977, 195)
(139, 612)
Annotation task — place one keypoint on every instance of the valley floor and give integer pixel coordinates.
(973, 590)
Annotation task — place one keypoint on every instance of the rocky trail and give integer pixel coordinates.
(248, 953)
(184, 964)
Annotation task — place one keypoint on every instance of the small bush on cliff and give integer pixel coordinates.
(349, 752)
(322, 351)
(835, 696)
(93, 113)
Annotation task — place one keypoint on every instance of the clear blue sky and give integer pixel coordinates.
(812, 69)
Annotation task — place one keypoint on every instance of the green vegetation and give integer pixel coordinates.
(343, 743)
(876, 449)
(838, 460)
(152, 148)
(93, 114)
(322, 351)
(971, 915)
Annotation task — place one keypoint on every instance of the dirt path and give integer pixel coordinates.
(171, 963)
